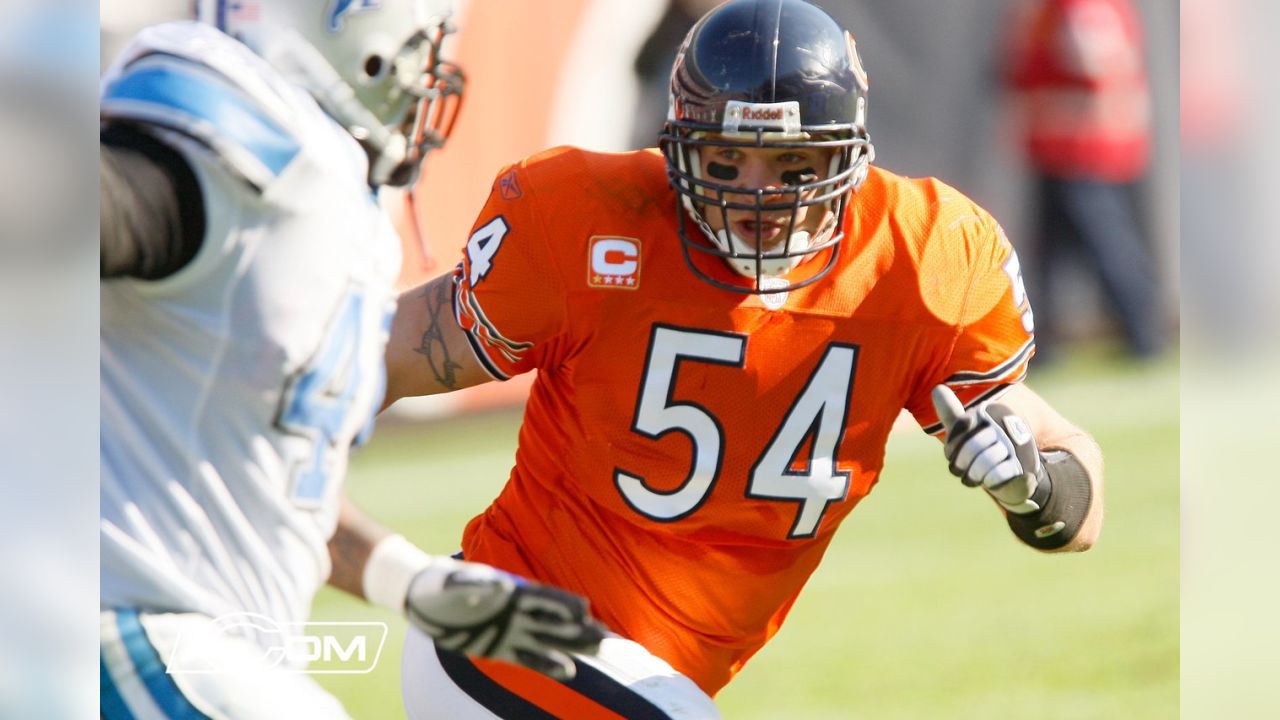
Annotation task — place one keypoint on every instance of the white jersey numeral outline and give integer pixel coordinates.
(1013, 269)
(483, 245)
(657, 415)
(818, 414)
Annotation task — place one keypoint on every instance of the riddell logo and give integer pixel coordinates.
(775, 117)
(614, 263)
(753, 113)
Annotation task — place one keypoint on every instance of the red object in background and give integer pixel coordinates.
(512, 76)
(1077, 69)
(1212, 93)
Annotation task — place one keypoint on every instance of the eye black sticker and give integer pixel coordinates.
(799, 177)
(722, 172)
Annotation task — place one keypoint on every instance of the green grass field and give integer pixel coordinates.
(925, 607)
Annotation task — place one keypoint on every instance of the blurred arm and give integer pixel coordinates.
(465, 607)
(428, 353)
(351, 545)
(151, 213)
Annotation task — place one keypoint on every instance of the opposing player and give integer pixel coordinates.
(725, 329)
(246, 298)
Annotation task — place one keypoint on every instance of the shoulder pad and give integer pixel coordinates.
(188, 97)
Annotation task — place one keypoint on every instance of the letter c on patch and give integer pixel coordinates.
(615, 257)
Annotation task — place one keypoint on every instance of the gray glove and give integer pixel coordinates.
(990, 446)
(481, 611)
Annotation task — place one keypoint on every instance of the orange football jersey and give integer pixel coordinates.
(687, 452)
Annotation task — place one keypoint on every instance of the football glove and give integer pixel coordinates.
(990, 446)
(481, 611)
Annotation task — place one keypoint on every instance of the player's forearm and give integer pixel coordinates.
(350, 547)
(1085, 451)
(427, 352)
(374, 563)
(1053, 432)
(1067, 499)
(151, 215)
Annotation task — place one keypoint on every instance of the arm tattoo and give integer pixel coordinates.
(433, 346)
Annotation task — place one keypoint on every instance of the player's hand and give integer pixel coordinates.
(481, 611)
(991, 446)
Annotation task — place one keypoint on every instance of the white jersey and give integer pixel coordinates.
(232, 390)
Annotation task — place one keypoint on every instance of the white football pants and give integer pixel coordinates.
(624, 680)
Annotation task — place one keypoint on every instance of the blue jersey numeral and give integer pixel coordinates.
(318, 399)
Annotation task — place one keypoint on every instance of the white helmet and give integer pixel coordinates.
(374, 65)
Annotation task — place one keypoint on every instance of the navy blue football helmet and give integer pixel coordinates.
(766, 74)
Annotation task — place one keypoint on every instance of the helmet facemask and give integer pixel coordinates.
(764, 261)
(774, 75)
(376, 68)
(426, 92)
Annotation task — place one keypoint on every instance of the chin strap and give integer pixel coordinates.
(744, 260)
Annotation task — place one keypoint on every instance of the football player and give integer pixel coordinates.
(247, 292)
(725, 328)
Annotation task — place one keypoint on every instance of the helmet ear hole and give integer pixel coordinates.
(374, 67)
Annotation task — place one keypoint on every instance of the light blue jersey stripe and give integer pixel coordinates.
(150, 668)
(201, 99)
(110, 704)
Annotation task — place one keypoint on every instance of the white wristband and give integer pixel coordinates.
(391, 567)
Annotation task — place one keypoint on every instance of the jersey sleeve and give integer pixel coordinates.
(184, 96)
(994, 337)
(509, 297)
